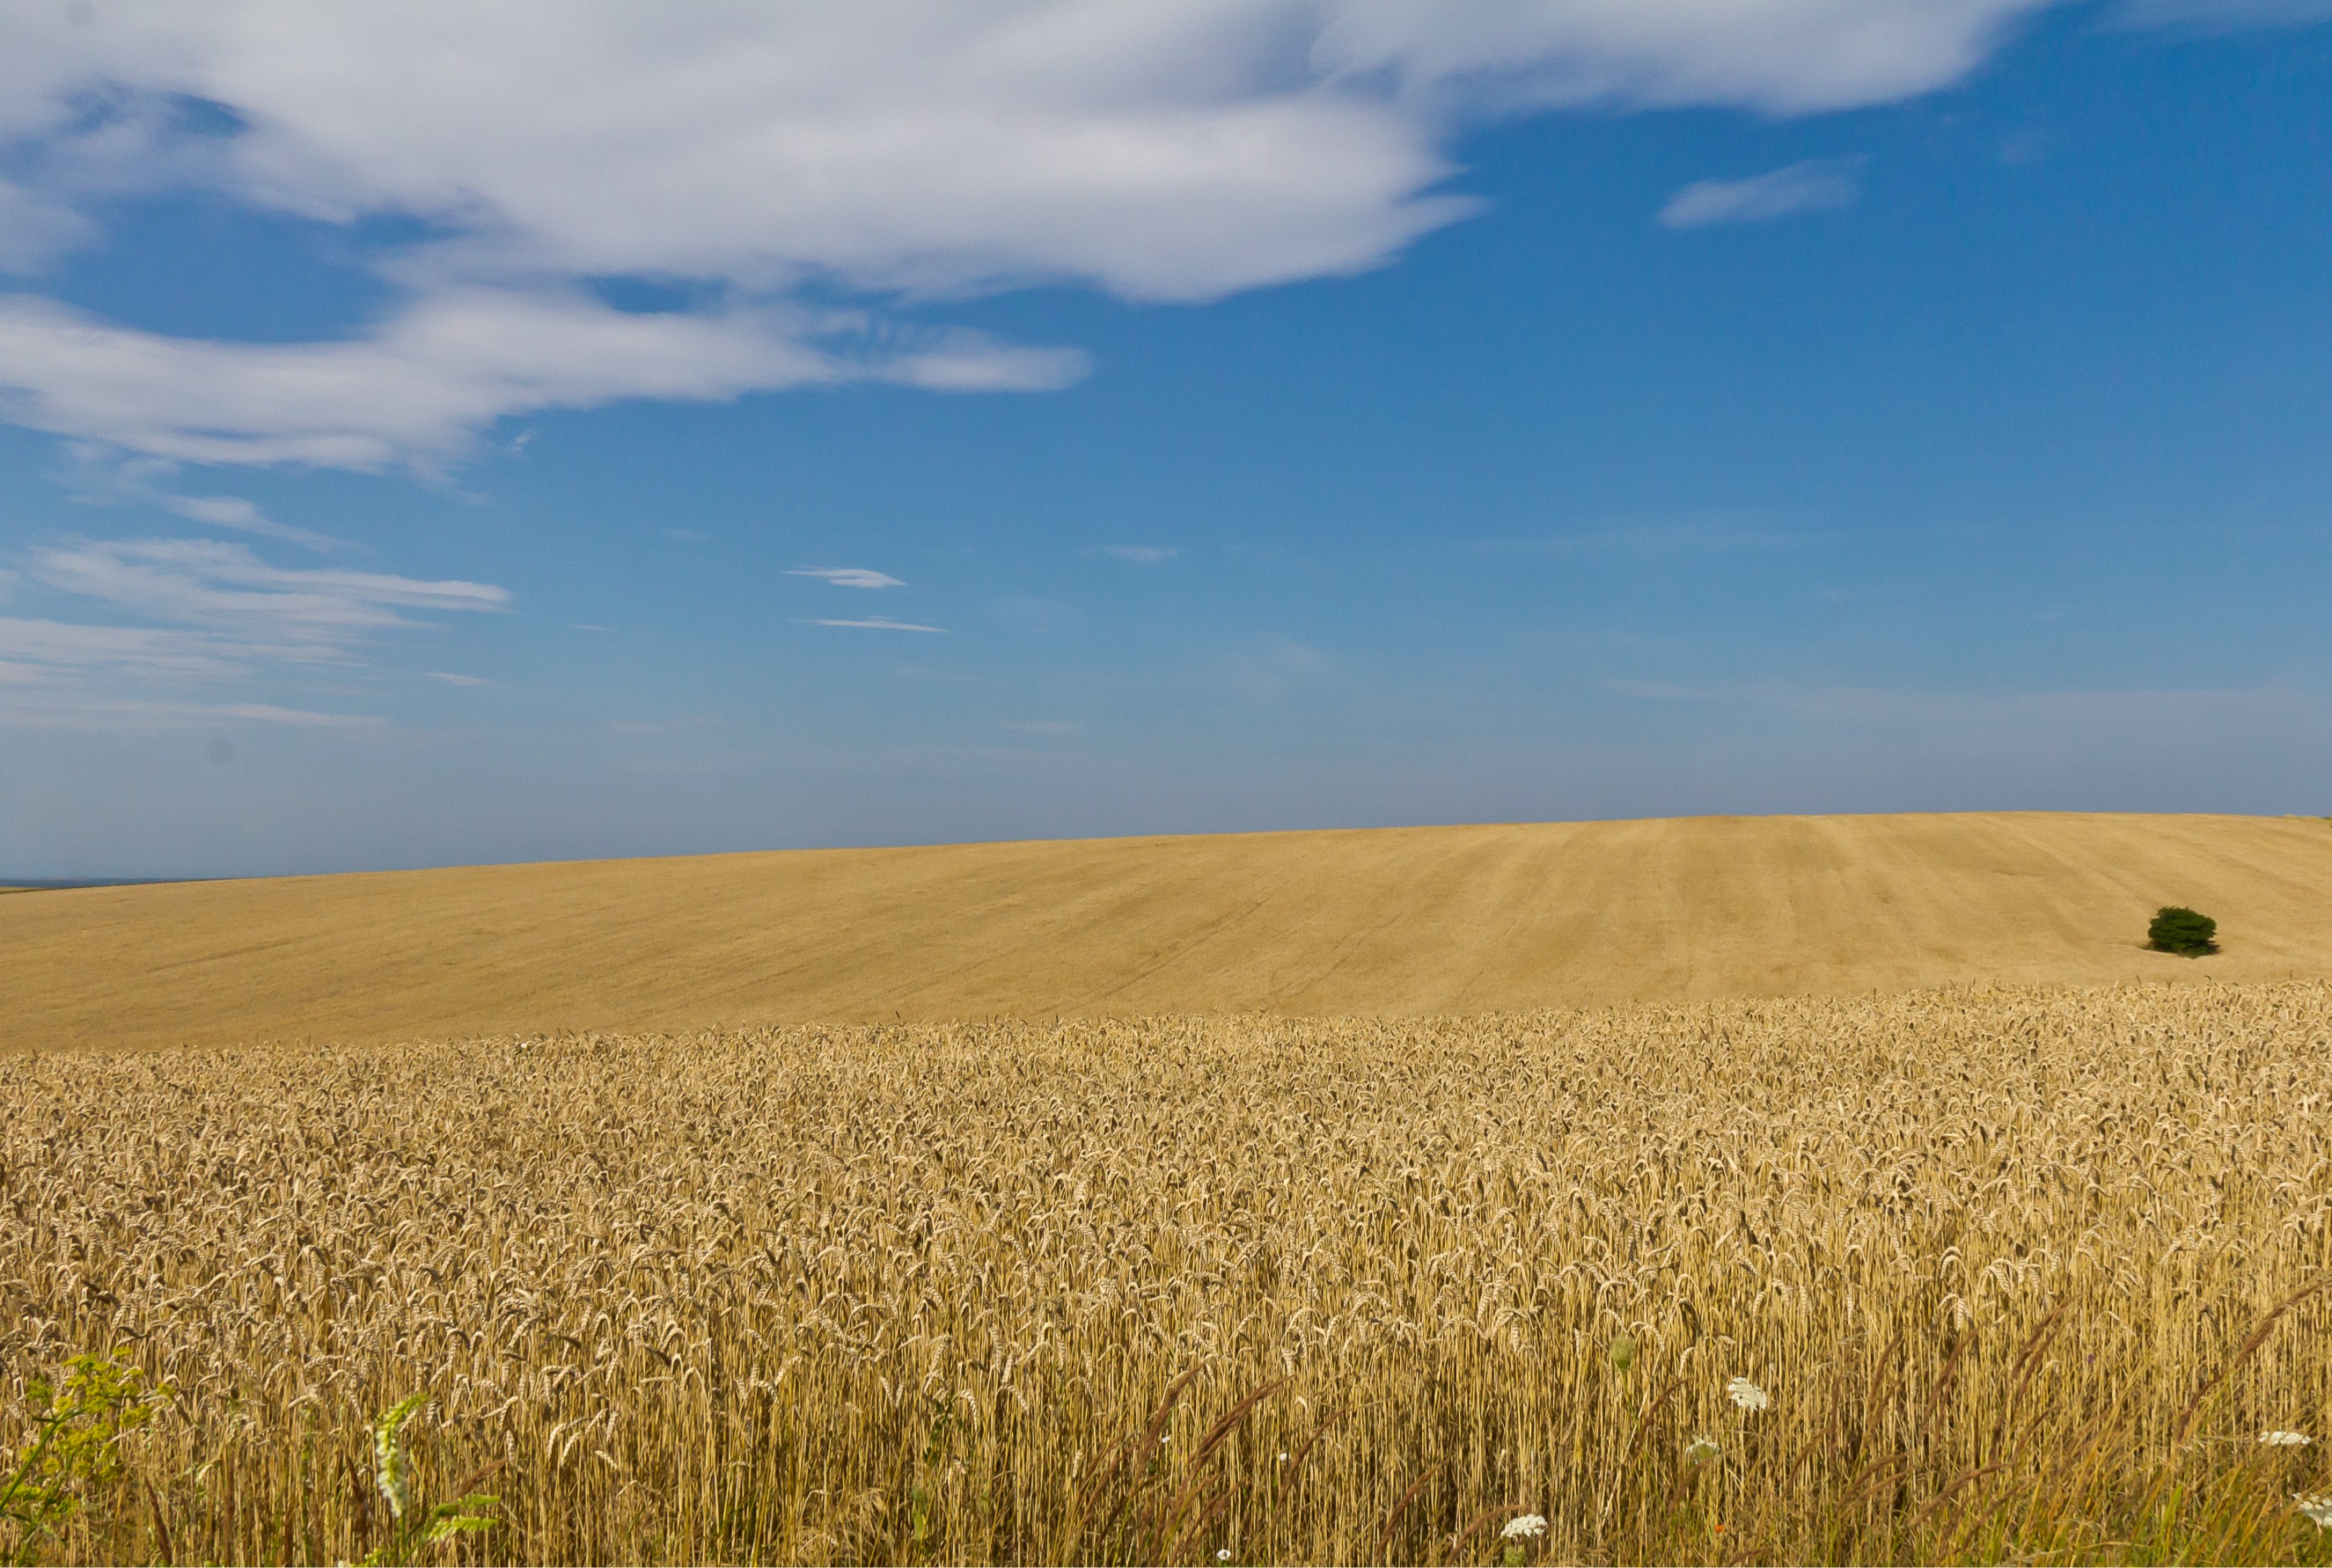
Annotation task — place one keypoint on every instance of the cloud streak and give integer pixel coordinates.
(1818, 185)
(857, 576)
(877, 624)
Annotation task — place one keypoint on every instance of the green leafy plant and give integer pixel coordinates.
(2179, 929)
(415, 1527)
(75, 1447)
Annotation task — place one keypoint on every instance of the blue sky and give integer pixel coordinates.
(425, 437)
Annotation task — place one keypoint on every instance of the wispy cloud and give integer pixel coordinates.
(1716, 534)
(1032, 613)
(56, 674)
(208, 582)
(1802, 187)
(35, 649)
(1666, 691)
(1937, 715)
(1278, 670)
(82, 711)
(857, 576)
(453, 680)
(232, 511)
(1141, 554)
(225, 617)
(96, 475)
(877, 624)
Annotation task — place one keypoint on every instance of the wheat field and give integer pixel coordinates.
(1401, 921)
(2022, 1273)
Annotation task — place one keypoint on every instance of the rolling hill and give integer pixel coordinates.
(1393, 920)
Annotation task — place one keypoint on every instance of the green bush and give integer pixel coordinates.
(2179, 929)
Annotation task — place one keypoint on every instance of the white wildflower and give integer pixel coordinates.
(1527, 1525)
(1283, 1457)
(1223, 1554)
(2286, 1439)
(1747, 1395)
(2318, 1509)
(1700, 1450)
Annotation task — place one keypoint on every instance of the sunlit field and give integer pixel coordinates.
(2008, 1273)
(1410, 922)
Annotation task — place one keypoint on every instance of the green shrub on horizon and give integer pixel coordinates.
(2179, 929)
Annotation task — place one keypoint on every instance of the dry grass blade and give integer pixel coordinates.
(1400, 1507)
(1143, 1446)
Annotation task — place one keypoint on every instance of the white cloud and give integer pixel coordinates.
(453, 680)
(877, 624)
(418, 386)
(857, 576)
(1157, 149)
(1141, 554)
(1801, 187)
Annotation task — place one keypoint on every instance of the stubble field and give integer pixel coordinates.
(2018, 1273)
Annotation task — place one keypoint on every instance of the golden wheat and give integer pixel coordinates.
(1408, 922)
(2008, 1264)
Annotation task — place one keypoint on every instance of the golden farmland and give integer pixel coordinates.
(1399, 923)
(2026, 1243)
(2024, 1271)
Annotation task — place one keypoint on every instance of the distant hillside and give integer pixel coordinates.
(1396, 921)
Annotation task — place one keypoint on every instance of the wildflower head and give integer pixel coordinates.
(2318, 1509)
(1623, 1353)
(392, 1470)
(1700, 1450)
(1747, 1395)
(1523, 1524)
(2286, 1439)
(1222, 1553)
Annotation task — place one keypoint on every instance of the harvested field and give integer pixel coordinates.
(1408, 922)
(2025, 1272)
